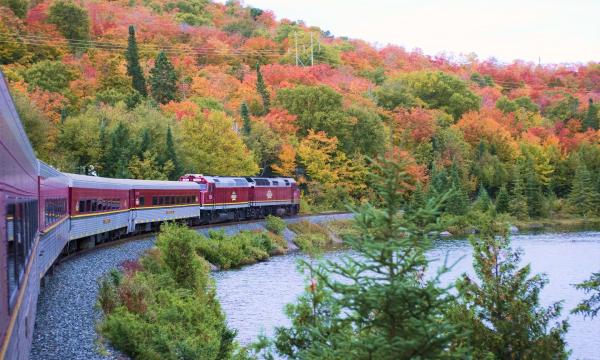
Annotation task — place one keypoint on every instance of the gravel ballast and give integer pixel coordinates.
(65, 324)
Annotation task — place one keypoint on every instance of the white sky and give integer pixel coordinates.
(553, 30)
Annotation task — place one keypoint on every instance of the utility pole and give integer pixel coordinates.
(296, 41)
(312, 53)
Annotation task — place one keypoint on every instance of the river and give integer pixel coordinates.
(254, 297)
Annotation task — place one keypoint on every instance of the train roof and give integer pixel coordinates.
(47, 171)
(159, 184)
(240, 181)
(97, 182)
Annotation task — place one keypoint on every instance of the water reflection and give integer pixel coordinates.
(254, 297)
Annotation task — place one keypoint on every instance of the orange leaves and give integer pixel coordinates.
(281, 121)
(419, 123)
(418, 173)
(181, 110)
(260, 50)
(485, 125)
(287, 161)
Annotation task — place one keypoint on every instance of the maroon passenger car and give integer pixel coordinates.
(19, 285)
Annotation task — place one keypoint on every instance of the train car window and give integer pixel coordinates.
(100, 205)
(275, 182)
(195, 199)
(21, 229)
(161, 200)
(94, 205)
(142, 201)
(88, 206)
(81, 207)
(154, 200)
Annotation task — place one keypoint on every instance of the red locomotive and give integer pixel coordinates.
(45, 213)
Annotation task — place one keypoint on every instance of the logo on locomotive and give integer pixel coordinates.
(269, 194)
(106, 221)
(233, 196)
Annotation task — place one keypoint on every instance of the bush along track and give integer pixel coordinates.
(164, 305)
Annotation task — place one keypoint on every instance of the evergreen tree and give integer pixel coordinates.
(245, 113)
(502, 200)
(584, 197)
(533, 192)
(590, 306)
(134, 69)
(144, 143)
(118, 153)
(483, 202)
(102, 149)
(171, 155)
(163, 80)
(379, 305)
(518, 201)
(458, 199)
(500, 310)
(591, 118)
(262, 90)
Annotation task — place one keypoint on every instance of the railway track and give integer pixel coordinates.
(200, 227)
(65, 324)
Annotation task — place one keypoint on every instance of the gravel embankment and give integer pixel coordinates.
(66, 314)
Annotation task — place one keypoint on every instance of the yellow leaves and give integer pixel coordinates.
(211, 146)
(287, 161)
(320, 157)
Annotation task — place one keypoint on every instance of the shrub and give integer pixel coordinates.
(165, 306)
(275, 224)
(243, 248)
(310, 237)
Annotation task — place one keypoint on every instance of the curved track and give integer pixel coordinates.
(66, 319)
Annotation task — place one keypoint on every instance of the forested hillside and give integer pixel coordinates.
(156, 88)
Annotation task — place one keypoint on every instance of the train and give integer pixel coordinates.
(46, 214)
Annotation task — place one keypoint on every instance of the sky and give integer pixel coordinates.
(553, 31)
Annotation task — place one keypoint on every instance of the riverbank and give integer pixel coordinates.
(65, 324)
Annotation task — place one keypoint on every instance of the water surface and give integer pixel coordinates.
(254, 297)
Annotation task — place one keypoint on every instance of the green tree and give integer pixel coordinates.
(376, 305)
(138, 82)
(40, 132)
(318, 108)
(591, 117)
(533, 192)
(265, 145)
(171, 157)
(245, 113)
(72, 21)
(48, 75)
(500, 311)
(584, 197)
(502, 200)
(18, 7)
(483, 201)
(590, 306)
(262, 90)
(436, 90)
(118, 153)
(365, 122)
(147, 167)
(163, 80)
(517, 205)
(458, 199)
(213, 147)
